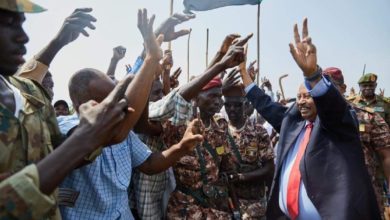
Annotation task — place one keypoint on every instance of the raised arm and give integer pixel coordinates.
(118, 54)
(137, 93)
(332, 108)
(233, 57)
(73, 26)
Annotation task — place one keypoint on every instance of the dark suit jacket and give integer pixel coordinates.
(332, 168)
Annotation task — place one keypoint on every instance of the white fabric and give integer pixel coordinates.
(19, 100)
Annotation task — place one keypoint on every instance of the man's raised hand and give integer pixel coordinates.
(192, 136)
(152, 45)
(236, 53)
(304, 52)
(119, 52)
(227, 42)
(167, 28)
(75, 24)
(231, 80)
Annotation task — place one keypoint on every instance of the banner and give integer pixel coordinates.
(205, 5)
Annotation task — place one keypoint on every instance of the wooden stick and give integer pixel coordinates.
(170, 14)
(207, 48)
(188, 56)
(258, 43)
(281, 86)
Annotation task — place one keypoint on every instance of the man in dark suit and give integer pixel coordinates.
(320, 172)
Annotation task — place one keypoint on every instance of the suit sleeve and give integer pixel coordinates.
(332, 108)
(273, 112)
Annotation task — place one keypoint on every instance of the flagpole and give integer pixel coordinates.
(207, 48)
(170, 14)
(258, 42)
(188, 56)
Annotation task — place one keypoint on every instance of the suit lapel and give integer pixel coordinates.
(289, 139)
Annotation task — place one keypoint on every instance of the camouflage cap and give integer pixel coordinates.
(21, 6)
(369, 77)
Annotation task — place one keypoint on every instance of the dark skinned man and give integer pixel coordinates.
(320, 171)
(27, 194)
(61, 108)
(248, 163)
(368, 99)
(198, 195)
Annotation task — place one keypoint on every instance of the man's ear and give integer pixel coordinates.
(76, 107)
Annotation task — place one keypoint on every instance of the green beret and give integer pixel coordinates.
(21, 6)
(369, 77)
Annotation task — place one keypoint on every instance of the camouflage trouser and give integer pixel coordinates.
(379, 197)
(182, 206)
(252, 209)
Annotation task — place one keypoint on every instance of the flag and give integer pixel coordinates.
(205, 5)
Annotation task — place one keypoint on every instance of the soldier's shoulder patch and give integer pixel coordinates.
(28, 66)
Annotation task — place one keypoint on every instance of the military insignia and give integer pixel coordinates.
(252, 150)
(220, 150)
(29, 66)
(373, 78)
(362, 127)
(67, 197)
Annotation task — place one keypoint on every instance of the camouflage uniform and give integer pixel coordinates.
(380, 105)
(199, 193)
(374, 135)
(28, 138)
(250, 148)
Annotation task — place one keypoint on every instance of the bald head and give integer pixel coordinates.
(89, 84)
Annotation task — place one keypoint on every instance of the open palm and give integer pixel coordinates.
(304, 52)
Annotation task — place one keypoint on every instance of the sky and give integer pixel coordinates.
(347, 34)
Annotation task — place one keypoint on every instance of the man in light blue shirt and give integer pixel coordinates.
(102, 185)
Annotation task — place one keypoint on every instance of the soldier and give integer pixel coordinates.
(369, 100)
(199, 193)
(28, 128)
(374, 136)
(28, 124)
(248, 162)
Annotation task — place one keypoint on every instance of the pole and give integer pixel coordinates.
(170, 14)
(188, 56)
(364, 69)
(207, 48)
(281, 86)
(258, 43)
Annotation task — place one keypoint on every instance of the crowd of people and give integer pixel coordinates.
(218, 147)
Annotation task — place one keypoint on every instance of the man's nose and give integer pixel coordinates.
(21, 36)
